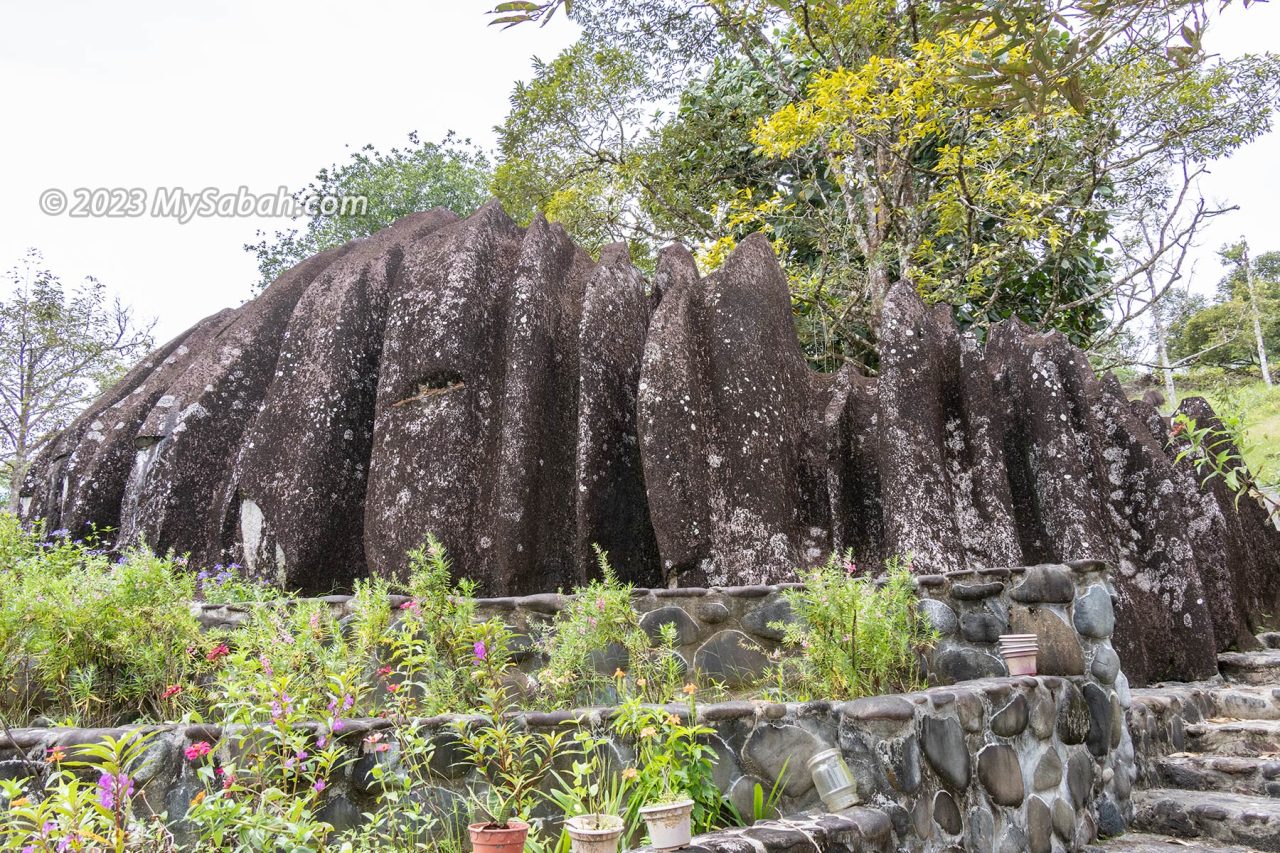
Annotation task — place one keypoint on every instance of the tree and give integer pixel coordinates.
(1238, 327)
(874, 142)
(451, 173)
(59, 349)
(1238, 254)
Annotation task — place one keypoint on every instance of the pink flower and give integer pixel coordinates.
(480, 651)
(319, 785)
(171, 691)
(850, 567)
(219, 651)
(199, 749)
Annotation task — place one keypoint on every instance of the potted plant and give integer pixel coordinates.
(674, 775)
(669, 821)
(591, 797)
(513, 762)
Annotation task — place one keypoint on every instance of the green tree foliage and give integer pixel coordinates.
(59, 348)
(1218, 330)
(451, 173)
(874, 142)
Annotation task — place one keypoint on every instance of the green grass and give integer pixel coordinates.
(1259, 407)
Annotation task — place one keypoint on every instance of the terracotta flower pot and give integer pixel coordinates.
(493, 838)
(669, 824)
(594, 833)
(1019, 653)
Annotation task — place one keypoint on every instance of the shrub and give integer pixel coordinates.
(88, 640)
(857, 636)
(599, 620)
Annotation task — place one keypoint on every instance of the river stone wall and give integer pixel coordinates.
(992, 763)
(729, 634)
(998, 764)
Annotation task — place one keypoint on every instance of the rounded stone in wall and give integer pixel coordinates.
(732, 657)
(940, 616)
(1012, 840)
(1099, 737)
(768, 619)
(1011, 720)
(1048, 772)
(1093, 613)
(713, 612)
(770, 750)
(922, 817)
(979, 626)
(982, 828)
(1079, 777)
(1064, 819)
(946, 814)
(340, 813)
(1106, 664)
(952, 664)
(1060, 652)
(1046, 584)
(900, 758)
(1073, 715)
(686, 629)
(742, 794)
(1001, 774)
(726, 766)
(970, 710)
(1039, 826)
(948, 754)
(1042, 714)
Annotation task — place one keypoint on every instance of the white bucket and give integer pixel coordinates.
(593, 833)
(669, 824)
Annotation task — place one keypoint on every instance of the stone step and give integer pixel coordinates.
(1208, 816)
(1244, 738)
(1142, 842)
(1227, 774)
(1251, 667)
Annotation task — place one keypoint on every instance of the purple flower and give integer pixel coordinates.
(480, 650)
(113, 789)
(319, 785)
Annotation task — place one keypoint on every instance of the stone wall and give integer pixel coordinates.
(992, 763)
(997, 764)
(729, 633)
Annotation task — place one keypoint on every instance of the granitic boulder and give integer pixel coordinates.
(467, 378)
(496, 386)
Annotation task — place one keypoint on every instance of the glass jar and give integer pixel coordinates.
(834, 781)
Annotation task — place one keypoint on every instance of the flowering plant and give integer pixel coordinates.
(512, 761)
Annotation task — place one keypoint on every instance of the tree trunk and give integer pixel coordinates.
(1257, 321)
(1170, 393)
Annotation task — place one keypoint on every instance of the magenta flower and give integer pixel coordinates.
(199, 749)
(319, 785)
(113, 789)
(480, 650)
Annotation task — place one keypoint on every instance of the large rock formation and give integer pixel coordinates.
(497, 387)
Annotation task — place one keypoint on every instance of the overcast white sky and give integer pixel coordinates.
(224, 93)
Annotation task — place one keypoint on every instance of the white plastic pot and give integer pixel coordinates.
(669, 824)
(594, 833)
